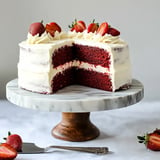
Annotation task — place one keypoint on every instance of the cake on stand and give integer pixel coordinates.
(75, 102)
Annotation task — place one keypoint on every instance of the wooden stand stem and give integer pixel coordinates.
(75, 127)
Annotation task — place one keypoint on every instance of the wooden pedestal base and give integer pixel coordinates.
(75, 127)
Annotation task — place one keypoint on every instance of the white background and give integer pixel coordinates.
(137, 20)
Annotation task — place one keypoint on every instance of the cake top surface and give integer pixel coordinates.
(52, 32)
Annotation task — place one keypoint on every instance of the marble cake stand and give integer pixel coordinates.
(75, 102)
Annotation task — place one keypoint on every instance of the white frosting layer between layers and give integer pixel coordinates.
(35, 70)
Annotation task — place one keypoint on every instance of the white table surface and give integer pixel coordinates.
(119, 129)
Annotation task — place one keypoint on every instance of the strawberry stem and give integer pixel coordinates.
(93, 21)
(9, 133)
(41, 21)
(143, 139)
(73, 23)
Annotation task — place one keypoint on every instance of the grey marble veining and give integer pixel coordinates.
(75, 98)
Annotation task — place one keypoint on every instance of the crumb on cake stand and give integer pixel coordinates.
(75, 102)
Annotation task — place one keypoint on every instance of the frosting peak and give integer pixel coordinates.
(44, 38)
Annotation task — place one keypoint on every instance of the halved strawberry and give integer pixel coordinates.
(7, 152)
(113, 31)
(78, 26)
(103, 29)
(15, 141)
(151, 140)
(52, 27)
(92, 27)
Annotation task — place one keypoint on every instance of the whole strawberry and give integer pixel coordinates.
(15, 141)
(151, 140)
(36, 28)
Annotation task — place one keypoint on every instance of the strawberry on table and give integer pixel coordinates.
(15, 141)
(103, 29)
(92, 27)
(7, 152)
(151, 140)
(36, 28)
(78, 26)
(52, 27)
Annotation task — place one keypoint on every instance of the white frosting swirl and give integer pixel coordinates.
(44, 38)
(47, 38)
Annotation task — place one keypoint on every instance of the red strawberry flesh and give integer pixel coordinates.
(92, 27)
(81, 24)
(154, 142)
(78, 26)
(103, 28)
(52, 28)
(7, 152)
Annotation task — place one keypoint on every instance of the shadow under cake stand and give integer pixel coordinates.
(75, 102)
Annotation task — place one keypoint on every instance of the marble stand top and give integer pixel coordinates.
(75, 98)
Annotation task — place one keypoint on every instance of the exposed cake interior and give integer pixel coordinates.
(81, 56)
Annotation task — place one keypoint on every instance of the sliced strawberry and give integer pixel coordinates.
(113, 32)
(103, 29)
(15, 141)
(154, 141)
(78, 26)
(151, 140)
(7, 152)
(81, 24)
(92, 27)
(52, 28)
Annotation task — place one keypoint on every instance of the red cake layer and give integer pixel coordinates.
(81, 77)
(93, 79)
(92, 55)
(63, 79)
(62, 55)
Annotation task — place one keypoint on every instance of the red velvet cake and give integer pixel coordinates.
(93, 56)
